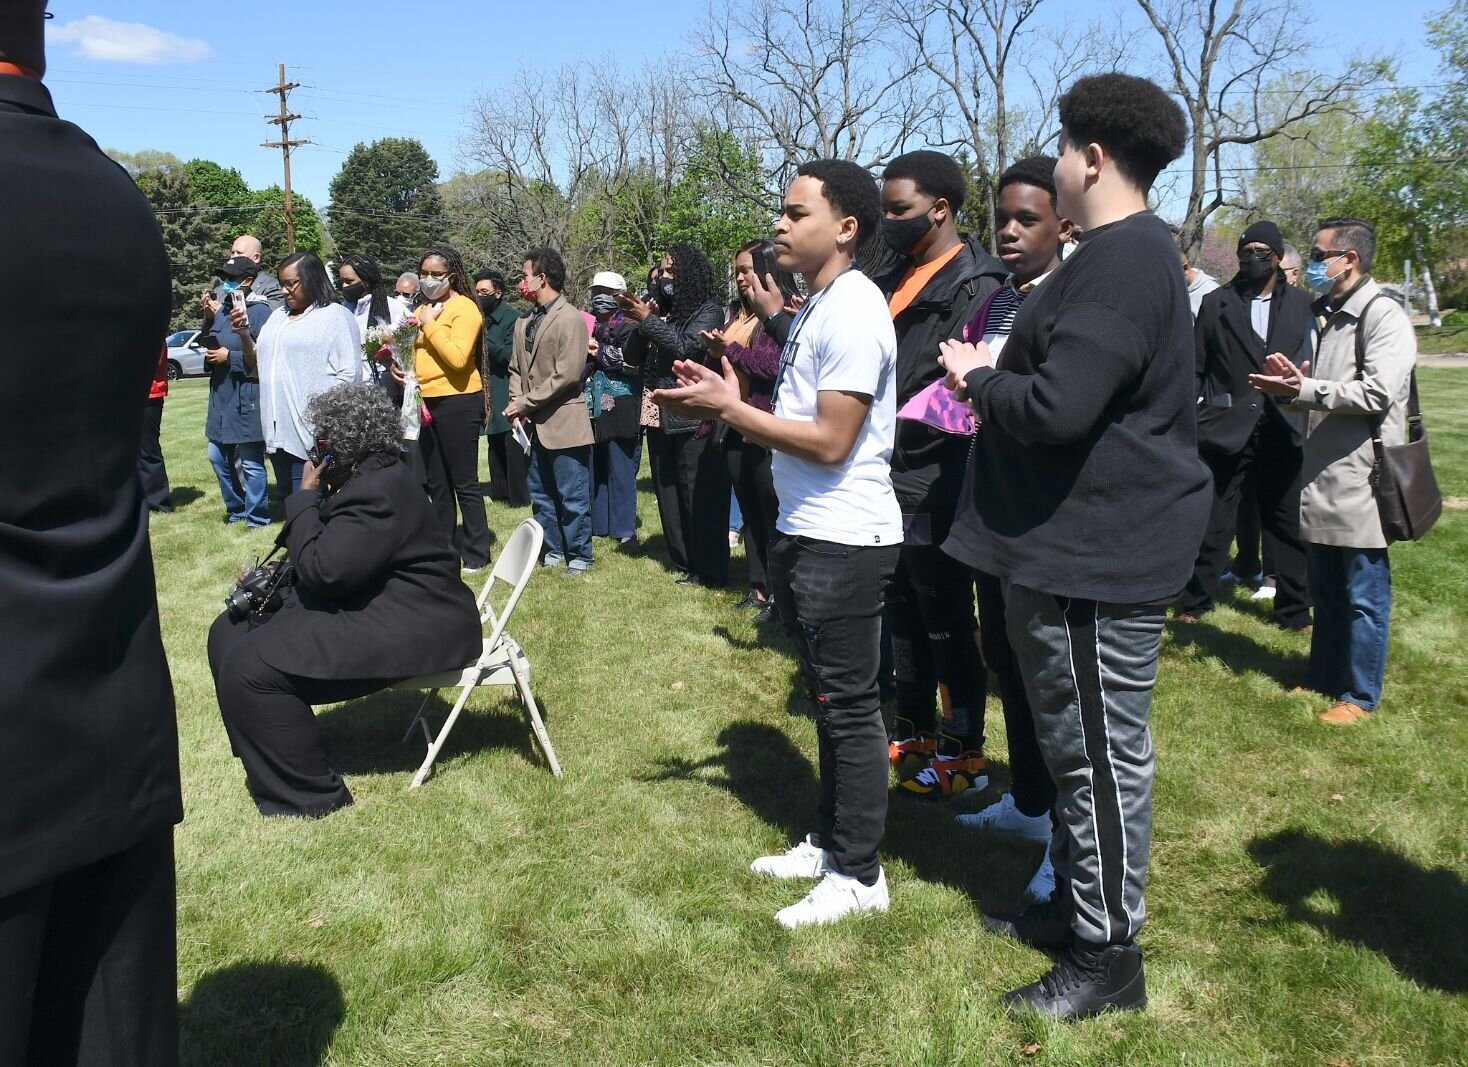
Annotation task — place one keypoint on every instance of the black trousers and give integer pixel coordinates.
(272, 728)
(691, 483)
(935, 645)
(88, 971)
(450, 446)
(507, 470)
(754, 488)
(1030, 785)
(151, 471)
(1248, 560)
(1275, 462)
(829, 597)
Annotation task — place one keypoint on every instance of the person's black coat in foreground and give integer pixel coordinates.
(89, 781)
(377, 598)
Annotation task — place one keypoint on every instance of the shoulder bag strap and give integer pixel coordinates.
(1379, 459)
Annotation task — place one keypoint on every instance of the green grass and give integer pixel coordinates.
(1307, 897)
(1451, 336)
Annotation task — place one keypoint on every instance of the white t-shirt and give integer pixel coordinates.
(843, 341)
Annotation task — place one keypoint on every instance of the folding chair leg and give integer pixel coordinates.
(527, 699)
(419, 721)
(443, 735)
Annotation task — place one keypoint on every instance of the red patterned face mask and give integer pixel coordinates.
(527, 292)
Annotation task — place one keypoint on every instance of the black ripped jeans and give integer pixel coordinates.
(830, 597)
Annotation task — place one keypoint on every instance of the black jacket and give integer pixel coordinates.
(1227, 352)
(928, 464)
(378, 593)
(657, 342)
(88, 745)
(1085, 480)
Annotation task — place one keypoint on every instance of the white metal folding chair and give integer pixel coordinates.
(502, 662)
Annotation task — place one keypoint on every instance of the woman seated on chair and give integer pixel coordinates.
(376, 598)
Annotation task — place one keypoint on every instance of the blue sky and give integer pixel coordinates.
(189, 78)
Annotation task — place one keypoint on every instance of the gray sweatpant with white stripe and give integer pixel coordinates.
(1089, 669)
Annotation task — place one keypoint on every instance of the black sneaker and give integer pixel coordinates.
(1085, 982)
(766, 614)
(751, 600)
(1044, 925)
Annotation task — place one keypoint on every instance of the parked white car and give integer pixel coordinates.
(185, 357)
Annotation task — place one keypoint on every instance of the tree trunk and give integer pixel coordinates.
(1434, 314)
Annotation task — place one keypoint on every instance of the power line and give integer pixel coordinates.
(285, 144)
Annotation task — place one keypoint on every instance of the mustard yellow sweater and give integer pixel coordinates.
(446, 354)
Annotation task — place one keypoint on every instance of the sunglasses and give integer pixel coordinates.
(1260, 254)
(1320, 255)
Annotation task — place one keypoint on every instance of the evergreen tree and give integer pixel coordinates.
(385, 202)
(196, 238)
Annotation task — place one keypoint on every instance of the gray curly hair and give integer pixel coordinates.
(357, 419)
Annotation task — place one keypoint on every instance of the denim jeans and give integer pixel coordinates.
(249, 502)
(1352, 590)
(830, 599)
(560, 499)
(287, 470)
(614, 466)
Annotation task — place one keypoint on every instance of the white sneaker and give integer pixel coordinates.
(835, 897)
(1042, 885)
(1003, 818)
(805, 860)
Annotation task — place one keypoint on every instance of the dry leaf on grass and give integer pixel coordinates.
(317, 922)
(1338, 1061)
(677, 686)
(1032, 1049)
(1338, 798)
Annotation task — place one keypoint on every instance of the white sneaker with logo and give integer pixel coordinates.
(835, 897)
(1042, 885)
(805, 860)
(1003, 818)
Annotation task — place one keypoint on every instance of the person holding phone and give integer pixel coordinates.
(232, 422)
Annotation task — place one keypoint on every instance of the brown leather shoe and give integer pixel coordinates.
(1343, 714)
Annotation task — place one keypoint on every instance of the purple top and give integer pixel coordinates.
(761, 363)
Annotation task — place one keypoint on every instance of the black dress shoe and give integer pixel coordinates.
(1044, 925)
(751, 599)
(766, 614)
(1086, 981)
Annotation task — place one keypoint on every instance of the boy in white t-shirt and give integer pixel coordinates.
(839, 526)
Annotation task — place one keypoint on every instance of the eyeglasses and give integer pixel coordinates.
(435, 274)
(1320, 255)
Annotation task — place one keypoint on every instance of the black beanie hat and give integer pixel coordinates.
(1265, 233)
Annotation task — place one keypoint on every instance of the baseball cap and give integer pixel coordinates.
(609, 279)
(238, 267)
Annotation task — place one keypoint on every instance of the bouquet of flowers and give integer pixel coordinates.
(395, 344)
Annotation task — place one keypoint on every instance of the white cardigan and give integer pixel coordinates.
(298, 358)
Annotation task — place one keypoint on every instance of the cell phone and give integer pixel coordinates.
(237, 298)
(208, 342)
(764, 264)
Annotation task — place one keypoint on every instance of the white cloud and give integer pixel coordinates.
(128, 42)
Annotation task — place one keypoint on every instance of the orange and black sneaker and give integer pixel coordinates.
(912, 755)
(948, 776)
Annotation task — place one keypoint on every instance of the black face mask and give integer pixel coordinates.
(903, 235)
(354, 292)
(1255, 270)
(487, 304)
(664, 294)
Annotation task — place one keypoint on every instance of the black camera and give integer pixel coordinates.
(260, 590)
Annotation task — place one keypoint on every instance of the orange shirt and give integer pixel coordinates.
(914, 280)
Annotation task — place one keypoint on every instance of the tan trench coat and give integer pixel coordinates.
(1336, 505)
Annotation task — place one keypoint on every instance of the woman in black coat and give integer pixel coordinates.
(377, 597)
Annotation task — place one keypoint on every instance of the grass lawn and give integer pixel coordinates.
(1451, 336)
(1307, 901)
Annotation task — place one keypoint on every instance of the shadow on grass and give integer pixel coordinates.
(764, 771)
(1238, 652)
(181, 496)
(1384, 902)
(366, 736)
(266, 1013)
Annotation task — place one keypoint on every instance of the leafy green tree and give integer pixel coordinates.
(385, 201)
(216, 185)
(196, 239)
(144, 160)
(706, 206)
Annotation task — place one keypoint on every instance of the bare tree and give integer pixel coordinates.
(810, 79)
(1221, 57)
(574, 158)
(998, 75)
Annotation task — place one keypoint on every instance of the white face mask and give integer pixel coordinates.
(433, 288)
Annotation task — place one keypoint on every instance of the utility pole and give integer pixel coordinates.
(285, 144)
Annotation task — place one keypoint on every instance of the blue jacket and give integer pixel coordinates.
(234, 395)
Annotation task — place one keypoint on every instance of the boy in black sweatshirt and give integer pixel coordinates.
(1087, 499)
